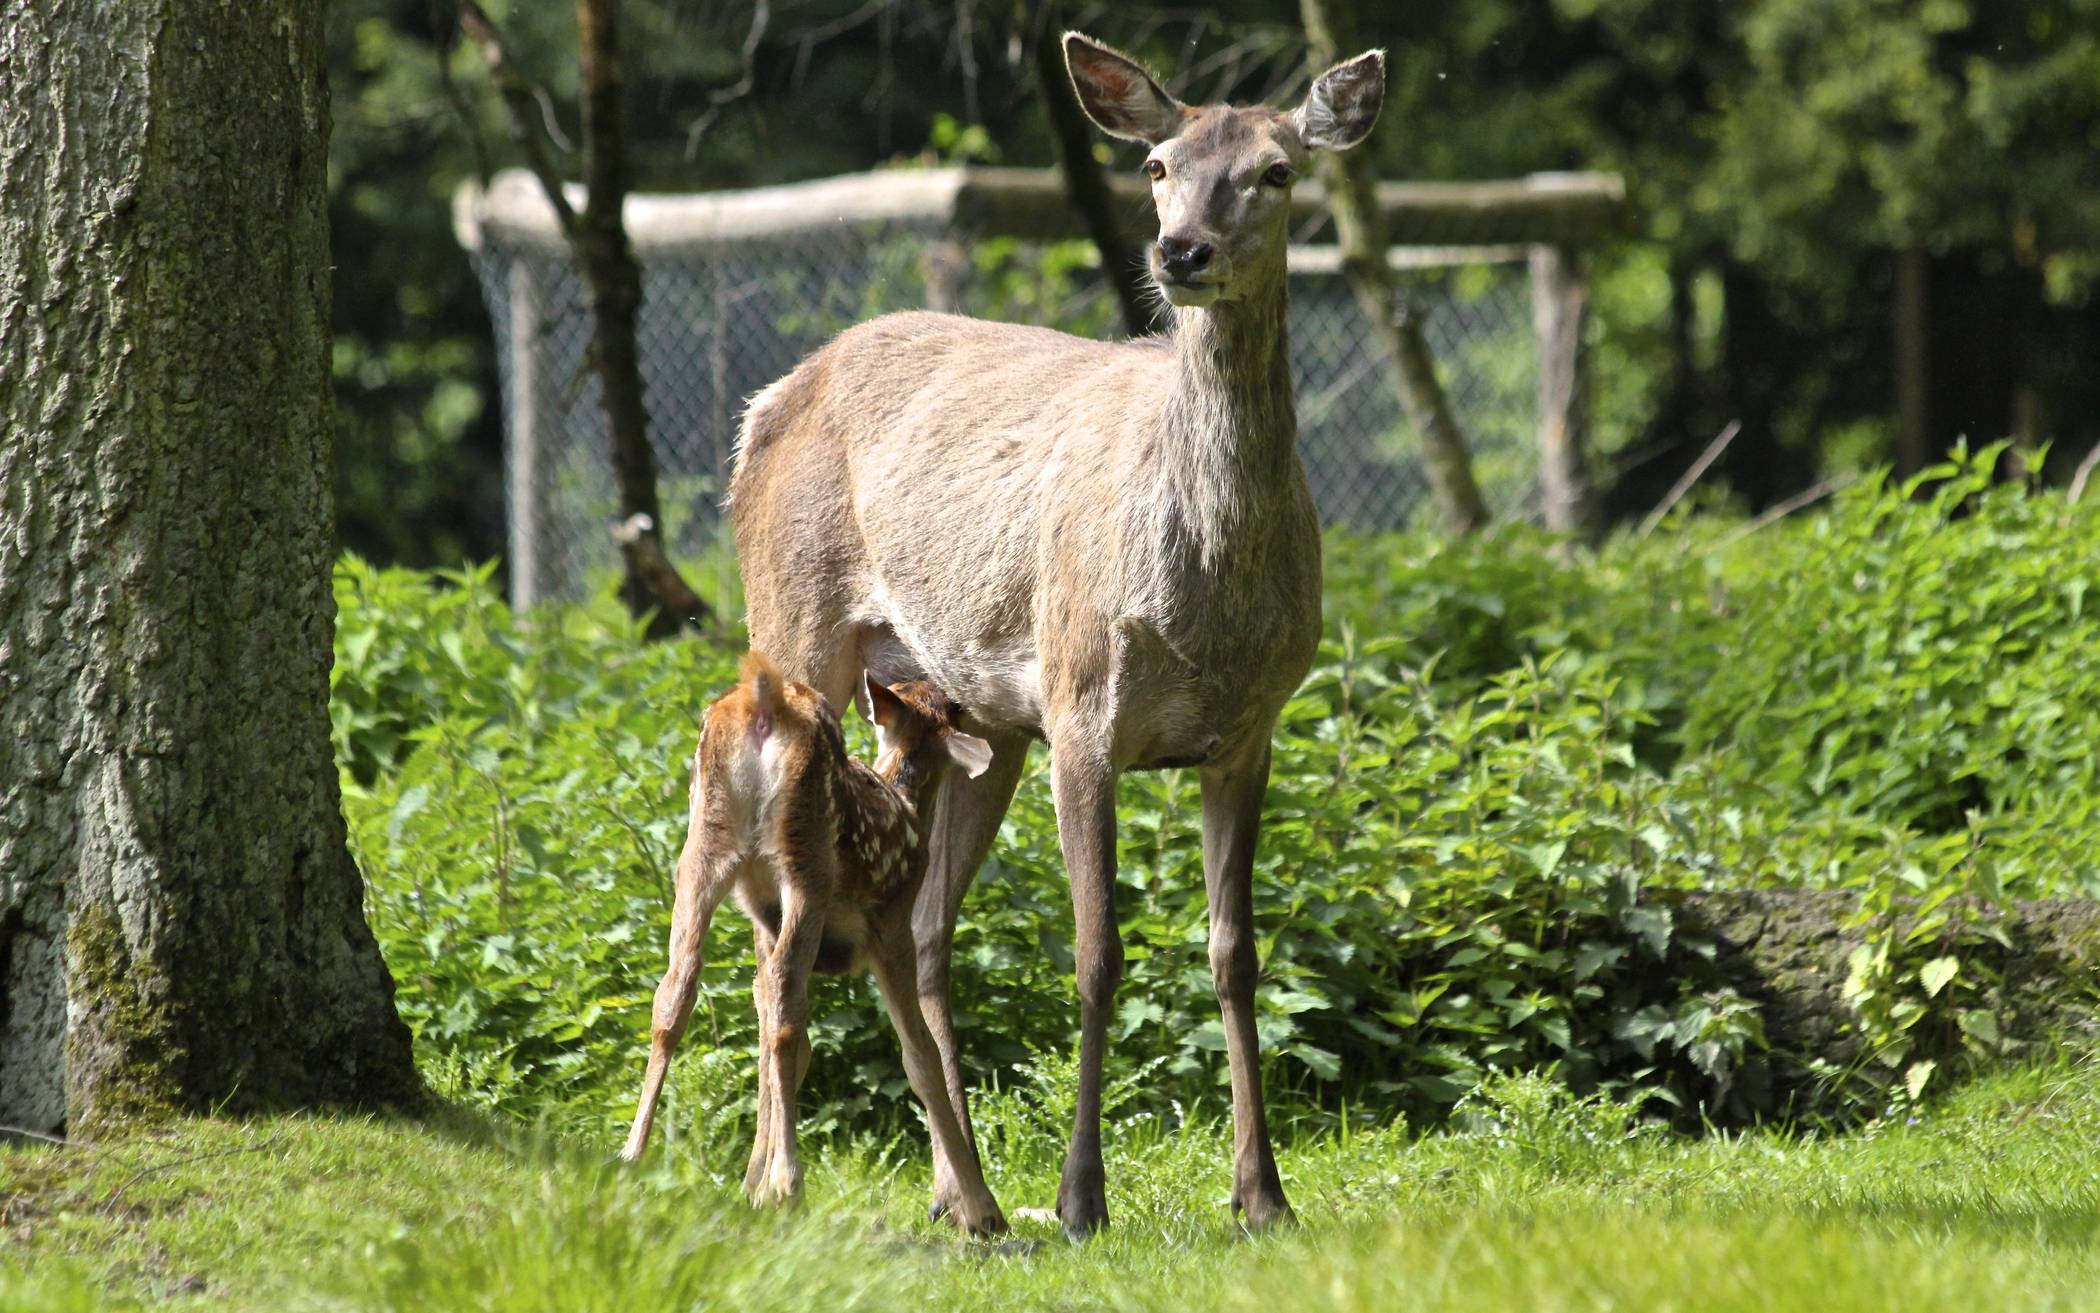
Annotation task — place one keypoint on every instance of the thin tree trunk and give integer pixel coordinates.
(1086, 190)
(180, 921)
(651, 582)
(597, 237)
(1911, 337)
(1330, 29)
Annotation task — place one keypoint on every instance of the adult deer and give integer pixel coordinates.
(1108, 545)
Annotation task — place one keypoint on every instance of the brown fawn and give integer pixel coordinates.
(825, 856)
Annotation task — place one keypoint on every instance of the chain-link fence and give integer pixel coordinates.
(730, 306)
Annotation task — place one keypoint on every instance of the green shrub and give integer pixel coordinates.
(1504, 762)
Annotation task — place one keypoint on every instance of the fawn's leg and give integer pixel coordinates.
(969, 1200)
(700, 886)
(1232, 798)
(783, 987)
(763, 941)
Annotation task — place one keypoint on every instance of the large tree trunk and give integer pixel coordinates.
(180, 922)
(1330, 29)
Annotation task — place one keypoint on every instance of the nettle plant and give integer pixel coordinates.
(1486, 802)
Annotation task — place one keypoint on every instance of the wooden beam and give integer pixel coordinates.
(1559, 304)
(1558, 209)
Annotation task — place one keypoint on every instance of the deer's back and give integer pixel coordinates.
(907, 460)
(960, 487)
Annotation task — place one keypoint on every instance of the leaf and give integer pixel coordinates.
(1319, 1061)
(1546, 856)
(1935, 974)
(1915, 1076)
(1981, 1025)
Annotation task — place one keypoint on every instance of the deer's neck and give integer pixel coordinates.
(912, 778)
(1230, 427)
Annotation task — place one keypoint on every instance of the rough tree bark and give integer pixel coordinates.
(1042, 30)
(180, 920)
(1330, 30)
(597, 237)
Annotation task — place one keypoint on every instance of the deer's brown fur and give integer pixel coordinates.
(825, 856)
(1111, 546)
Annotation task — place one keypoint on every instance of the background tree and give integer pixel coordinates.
(181, 925)
(1781, 157)
(597, 237)
(1352, 197)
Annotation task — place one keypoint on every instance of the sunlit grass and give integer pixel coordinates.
(1535, 1201)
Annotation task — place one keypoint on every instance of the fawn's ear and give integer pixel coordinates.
(1343, 104)
(973, 754)
(1118, 94)
(883, 707)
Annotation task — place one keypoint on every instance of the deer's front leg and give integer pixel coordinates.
(1083, 785)
(965, 820)
(968, 1200)
(1232, 798)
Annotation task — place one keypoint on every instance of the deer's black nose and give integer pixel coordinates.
(1181, 257)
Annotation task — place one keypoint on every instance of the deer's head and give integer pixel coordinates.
(1222, 174)
(915, 728)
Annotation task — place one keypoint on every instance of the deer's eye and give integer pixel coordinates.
(1279, 175)
(1155, 170)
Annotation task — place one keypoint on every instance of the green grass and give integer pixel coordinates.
(1535, 1201)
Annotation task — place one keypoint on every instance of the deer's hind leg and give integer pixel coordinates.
(782, 989)
(763, 941)
(701, 881)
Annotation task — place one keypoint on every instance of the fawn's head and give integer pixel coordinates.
(1222, 174)
(915, 730)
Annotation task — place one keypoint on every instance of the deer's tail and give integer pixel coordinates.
(764, 682)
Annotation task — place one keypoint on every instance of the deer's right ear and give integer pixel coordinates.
(1118, 94)
(973, 754)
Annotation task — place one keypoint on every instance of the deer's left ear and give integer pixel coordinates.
(973, 754)
(881, 706)
(1343, 104)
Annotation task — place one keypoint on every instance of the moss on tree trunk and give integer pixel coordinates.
(181, 926)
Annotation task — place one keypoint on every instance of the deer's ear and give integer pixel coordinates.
(1118, 94)
(1343, 104)
(882, 706)
(973, 754)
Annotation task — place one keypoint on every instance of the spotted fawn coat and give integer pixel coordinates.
(825, 855)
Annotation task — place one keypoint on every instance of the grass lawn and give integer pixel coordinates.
(1989, 1199)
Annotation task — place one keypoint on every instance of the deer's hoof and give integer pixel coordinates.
(1261, 1210)
(1082, 1206)
(990, 1222)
